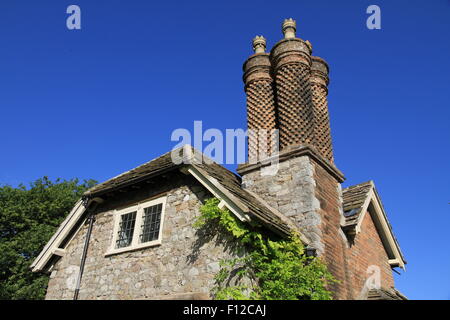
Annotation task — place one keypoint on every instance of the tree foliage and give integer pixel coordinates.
(277, 268)
(28, 218)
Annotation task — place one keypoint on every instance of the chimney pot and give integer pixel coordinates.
(289, 28)
(259, 44)
(309, 45)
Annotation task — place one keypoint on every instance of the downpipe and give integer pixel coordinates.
(91, 219)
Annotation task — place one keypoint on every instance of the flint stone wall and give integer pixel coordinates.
(182, 267)
(292, 191)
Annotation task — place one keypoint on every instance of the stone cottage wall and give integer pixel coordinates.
(183, 266)
(292, 192)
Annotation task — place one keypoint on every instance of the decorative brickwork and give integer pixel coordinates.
(295, 115)
(260, 103)
(291, 62)
(319, 91)
(261, 115)
(291, 68)
(306, 187)
(287, 92)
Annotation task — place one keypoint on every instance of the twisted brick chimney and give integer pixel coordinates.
(260, 101)
(287, 90)
(291, 63)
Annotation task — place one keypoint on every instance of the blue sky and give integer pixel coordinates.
(95, 102)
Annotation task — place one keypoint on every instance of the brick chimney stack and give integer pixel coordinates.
(260, 102)
(291, 62)
(287, 90)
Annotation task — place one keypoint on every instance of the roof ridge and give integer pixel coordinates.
(189, 155)
(365, 183)
(126, 172)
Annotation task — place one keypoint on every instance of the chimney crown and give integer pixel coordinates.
(289, 27)
(259, 44)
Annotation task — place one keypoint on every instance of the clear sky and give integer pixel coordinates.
(95, 102)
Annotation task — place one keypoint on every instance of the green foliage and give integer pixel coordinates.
(28, 218)
(276, 268)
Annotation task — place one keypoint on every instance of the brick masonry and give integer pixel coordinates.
(329, 195)
(260, 104)
(319, 91)
(287, 91)
(304, 191)
(367, 250)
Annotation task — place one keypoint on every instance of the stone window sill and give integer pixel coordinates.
(154, 243)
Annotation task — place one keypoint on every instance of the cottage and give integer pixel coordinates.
(131, 237)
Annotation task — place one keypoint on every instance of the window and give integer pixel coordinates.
(138, 226)
(152, 221)
(126, 229)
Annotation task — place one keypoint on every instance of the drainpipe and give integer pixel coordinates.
(90, 219)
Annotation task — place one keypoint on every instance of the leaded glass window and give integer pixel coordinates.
(138, 226)
(151, 222)
(126, 229)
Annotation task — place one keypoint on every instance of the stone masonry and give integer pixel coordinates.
(182, 267)
(306, 193)
(292, 192)
(306, 186)
(286, 90)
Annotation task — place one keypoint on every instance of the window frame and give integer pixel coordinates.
(139, 208)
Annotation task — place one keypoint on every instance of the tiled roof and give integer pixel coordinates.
(230, 181)
(152, 168)
(354, 198)
(385, 294)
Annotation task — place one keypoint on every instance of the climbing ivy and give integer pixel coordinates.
(267, 267)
